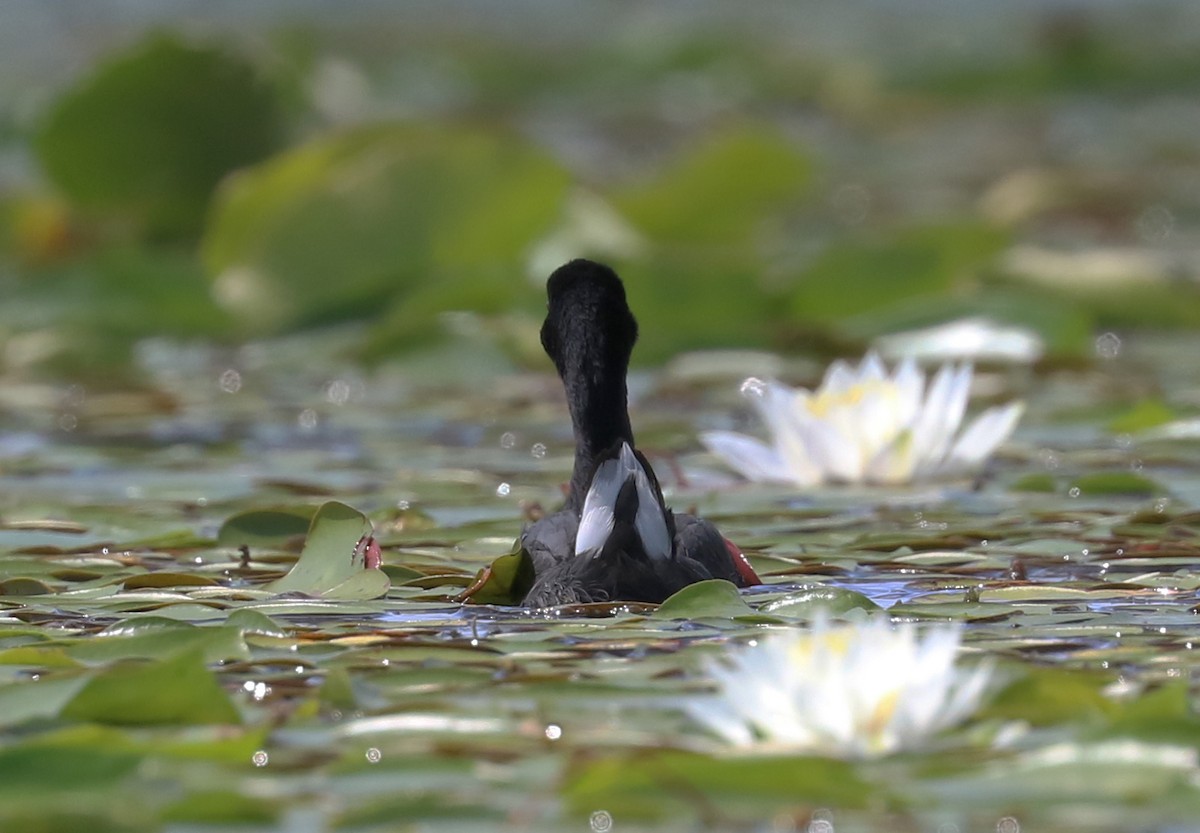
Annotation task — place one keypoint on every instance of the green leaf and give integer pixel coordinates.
(1036, 482)
(38, 699)
(221, 807)
(869, 275)
(653, 784)
(265, 528)
(387, 210)
(1148, 413)
(150, 133)
(505, 582)
(1117, 483)
(721, 191)
(175, 691)
(712, 599)
(332, 564)
(43, 768)
(1047, 696)
(809, 602)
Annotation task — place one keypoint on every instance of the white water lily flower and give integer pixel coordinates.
(859, 690)
(864, 426)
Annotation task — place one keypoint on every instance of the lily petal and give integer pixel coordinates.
(984, 435)
(752, 458)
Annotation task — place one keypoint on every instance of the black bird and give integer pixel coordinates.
(614, 539)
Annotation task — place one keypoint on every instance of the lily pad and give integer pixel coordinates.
(712, 599)
(265, 527)
(152, 131)
(333, 564)
(505, 582)
(175, 691)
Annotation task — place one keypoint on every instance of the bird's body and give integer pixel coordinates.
(614, 539)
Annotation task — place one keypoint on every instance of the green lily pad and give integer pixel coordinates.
(152, 131)
(1117, 483)
(654, 784)
(811, 601)
(261, 528)
(333, 562)
(505, 582)
(176, 691)
(712, 599)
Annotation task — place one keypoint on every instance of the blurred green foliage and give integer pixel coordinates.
(145, 139)
(201, 190)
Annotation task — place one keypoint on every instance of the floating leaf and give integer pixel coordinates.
(712, 599)
(42, 768)
(334, 562)
(274, 528)
(389, 210)
(809, 602)
(176, 691)
(221, 807)
(506, 582)
(1046, 696)
(721, 191)
(1036, 482)
(639, 786)
(153, 130)
(1149, 413)
(1116, 483)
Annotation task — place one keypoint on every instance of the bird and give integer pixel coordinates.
(614, 538)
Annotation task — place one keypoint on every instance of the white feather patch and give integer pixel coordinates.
(596, 521)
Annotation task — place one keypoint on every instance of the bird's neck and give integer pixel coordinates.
(598, 401)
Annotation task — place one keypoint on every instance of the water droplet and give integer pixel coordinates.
(754, 387)
(299, 669)
(385, 662)
(307, 420)
(601, 821)
(374, 756)
(538, 450)
(68, 422)
(503, 489)
(1155, 224)
(248, 685)
(338, 391)
(1008, 824)
(261, 690)
(1073, 491)
(260, 758)
(1108, 345)
(553, 731)
(508, 439)
(230, 381)
(1085, 551)
(402, 505)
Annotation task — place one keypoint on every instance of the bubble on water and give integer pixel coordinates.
(338, 391)
(1108, 345)
(1085, 551)
(1008, 824)
(508, 439)
(538, 450)
(1155, 224)
(307, 420)
(601, 821)
(230, 381)
(503, 490)
(754, 387)
(260, 758)
(821, 821)
(402, 505)
(1073, 491)
(68, 422)
(373, 755)
(553, 731)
